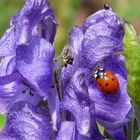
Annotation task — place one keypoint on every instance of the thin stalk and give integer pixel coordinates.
(136, 106)
(130, 128)
(57, 83)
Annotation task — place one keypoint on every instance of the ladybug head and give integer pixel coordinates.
(98, 73)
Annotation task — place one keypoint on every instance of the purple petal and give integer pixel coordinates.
(48, 27)
(10, 78)
(81, 113)
(92, 54)
(8, 43)
(35, 15)
(75, 100)
(67, 131)
(66, 75)
(3, 137)
(116, 64)
(111, 110)
(34, 62)
(118, 134)
(53, 104)
(7, 96)
(4, 65)
(107, 16)
(25, 122)
(11, 66)
(14, 19)
(12, 93)
(75, 40)
(102, 38)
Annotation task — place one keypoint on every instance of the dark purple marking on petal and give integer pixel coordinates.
(12, 93)
(34, 63)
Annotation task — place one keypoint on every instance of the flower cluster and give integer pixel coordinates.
(43, 100)
(95, 45)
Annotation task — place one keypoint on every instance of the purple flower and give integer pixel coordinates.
(95, 45)
(29, 95)
(33, 26)
(26, 72)
(27, 55)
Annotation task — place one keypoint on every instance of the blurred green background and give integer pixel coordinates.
(73, 12)
(70, 13)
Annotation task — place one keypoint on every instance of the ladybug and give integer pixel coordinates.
(106, 81)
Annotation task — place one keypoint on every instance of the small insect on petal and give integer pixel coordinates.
(107, 7)
(67, 56)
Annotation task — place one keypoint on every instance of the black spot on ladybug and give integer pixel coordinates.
(100, 86)
(112, 79)
(106, 84)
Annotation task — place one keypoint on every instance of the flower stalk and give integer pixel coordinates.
(61, 61)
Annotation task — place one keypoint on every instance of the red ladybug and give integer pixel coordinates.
(106, 81)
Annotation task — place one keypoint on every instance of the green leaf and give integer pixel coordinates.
(132, 54)
(136, 132)
(2, 121)
(101, 128)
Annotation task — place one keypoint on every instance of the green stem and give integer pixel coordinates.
(136, 106)
(61, 61)
(130, 128)
(57, 83)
